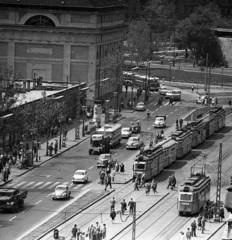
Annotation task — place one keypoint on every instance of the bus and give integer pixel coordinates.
(112, 130)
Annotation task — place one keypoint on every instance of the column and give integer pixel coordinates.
(66, 62)
(11, 53)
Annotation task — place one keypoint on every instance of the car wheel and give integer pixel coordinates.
(87, 180)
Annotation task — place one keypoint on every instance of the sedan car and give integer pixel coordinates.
(61, 192)
(140, 106)
(80, 176)
(126, 132)
(160, 121)
(163, 91)
(201, 100)
(104, 160)
(134, 143)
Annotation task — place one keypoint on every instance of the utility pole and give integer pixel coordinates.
(206, 74)
(219, 175)
(77, 132)
(209, 83)
(134, 222)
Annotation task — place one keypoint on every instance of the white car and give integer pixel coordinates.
(126, 132)
(134, 143)
(201, 99)
(61, 192)
(163, 91)
(80, 176)
(160, 121)
(140, 106)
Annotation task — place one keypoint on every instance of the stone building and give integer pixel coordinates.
(62, 40)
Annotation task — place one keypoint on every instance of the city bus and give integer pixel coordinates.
(112, 130)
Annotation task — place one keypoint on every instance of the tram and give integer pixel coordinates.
(219, 115)
(209, 124)
(193, 194)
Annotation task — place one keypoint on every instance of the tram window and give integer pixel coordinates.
(185, 197)
(166, 153)
(140, 166)
(199, 132)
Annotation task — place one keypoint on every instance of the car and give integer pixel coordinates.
(61, 192)
(126, 132)
(105, 160)
(134, 143)
(80, 176)
(163, 91)
(140, 106)
(160, 121)
(174, 94)
(201, 99)
(135, 126)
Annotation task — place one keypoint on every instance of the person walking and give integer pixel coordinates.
(203, 220)
(108, 181)
(193, 228)
(199, 222)
(188, 234)
(90, 231)
(177, 124)
(102, 175)
(55, 144)
(74, 232)
(104, 231)
(221, 213)
(112, 204)
(131, 205)
(142, 180)
(169, 182)
(148, 188)
(136, 185)
(50, 147)
(173, 182)
(154, 187)
(123, 206)
(192, 88)
(113, 215)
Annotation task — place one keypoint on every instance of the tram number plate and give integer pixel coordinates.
(185, 204)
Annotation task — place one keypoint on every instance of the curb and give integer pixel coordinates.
(65, 150)
(74, 215)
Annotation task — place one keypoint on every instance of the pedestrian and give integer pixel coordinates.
(97, 226)
(173, 182)
(122, 167)
(104, 231)
(182, 236)
(193, 228)
(55, 144)
(221, 213)
(229, 103)
(74, 231)
(192, 88)
(188, 234)
(154, 187)
(136, 185)
(90, 231)
(94, 234)
(112, 204)
(177, 124)
(116, 166)
(199, 222)
(181, 123)
(139, 179)
(108, 181)
(203, 220)
(210, 214)
(148, 188)
(113, 174)
(131, 204)
(102, 175)
(50, 149)
(78, 234)
(215, 210)
(123, 206)
(142, 180)
(99, 235)
(113, 215)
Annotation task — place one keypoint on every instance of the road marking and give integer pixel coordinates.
(78, 186)
(87, 186)
(166, 104)
(49, 194)
(65, 183)
(167, 115)
(53, 185)
(48, 175)
(91, 167)
(176, 109)
(70, 185)
(38, 202)
(48, 183)
(12, 218)
(17, 185)
(152, 112)
(148, 128)
(36, 185)
(143, 118)
(30, 183)
(171, 112)
(26, 210)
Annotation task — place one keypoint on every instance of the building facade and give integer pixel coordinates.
(61, 40)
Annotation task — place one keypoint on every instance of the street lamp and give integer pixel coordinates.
(83, 127)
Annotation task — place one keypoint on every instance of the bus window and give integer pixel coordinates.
(185, 197)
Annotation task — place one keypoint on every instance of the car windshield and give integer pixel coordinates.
(105, 156)
(79, 173)
(159, 119)
(140, 104)
(135, 140)
(125, 130)
(60, 188)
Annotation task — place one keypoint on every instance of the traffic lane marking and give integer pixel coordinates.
(91, 167)
(171, 112)
(26, 209)
(38, 202)
(49, 194)
(148, 128)
(12, 218)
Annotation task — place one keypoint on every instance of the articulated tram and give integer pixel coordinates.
(153, 160)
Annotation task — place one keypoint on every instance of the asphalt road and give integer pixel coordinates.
(41, 181)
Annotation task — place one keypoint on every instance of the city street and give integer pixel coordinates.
(41, 181)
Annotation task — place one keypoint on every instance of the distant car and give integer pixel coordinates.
(61, 192)
(134, 143)
(126, 132)
(140, 106)
(163, 91)
(174, 94)
(105, 160)
(201, 99)
(80, 176)
(160, 121)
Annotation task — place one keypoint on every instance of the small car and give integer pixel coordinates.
(126, 132)
(134, 143)
(61, 192)
(174, 94)
(160, 121)
(105, 160)
(80, 176)
(140, 106)
(201, 99)
(163, 91)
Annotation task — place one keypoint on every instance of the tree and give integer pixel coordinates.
(196, 32)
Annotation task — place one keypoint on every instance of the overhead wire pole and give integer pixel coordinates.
(77, 132)
(134, 222)
(209, 83)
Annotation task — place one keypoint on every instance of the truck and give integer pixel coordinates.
(12, 198)
(99, 143)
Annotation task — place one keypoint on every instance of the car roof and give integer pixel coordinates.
(62, 185)
(160, 115)
(126, 128)
(80, 171)
(105, 154)
(131, 138)
(140, 103)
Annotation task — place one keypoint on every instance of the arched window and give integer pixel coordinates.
(40, 20)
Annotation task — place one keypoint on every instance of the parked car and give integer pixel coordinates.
(80, 176)
(140, 106)
(61, 192)
(201, 99)
(126, 132)
(105, 159)
(160, 121)
(163, 91)
(134, 143)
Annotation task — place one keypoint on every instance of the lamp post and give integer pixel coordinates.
(83, 127)
(222, 68)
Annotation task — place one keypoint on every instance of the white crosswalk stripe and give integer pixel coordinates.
(29, 184)
(44, 185)
(53, 185)
(36, 185)
(19, 184)
(78, 186)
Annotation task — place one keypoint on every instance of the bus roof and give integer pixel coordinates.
(109, 128)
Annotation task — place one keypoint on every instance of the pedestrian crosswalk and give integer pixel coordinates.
(42, 185)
